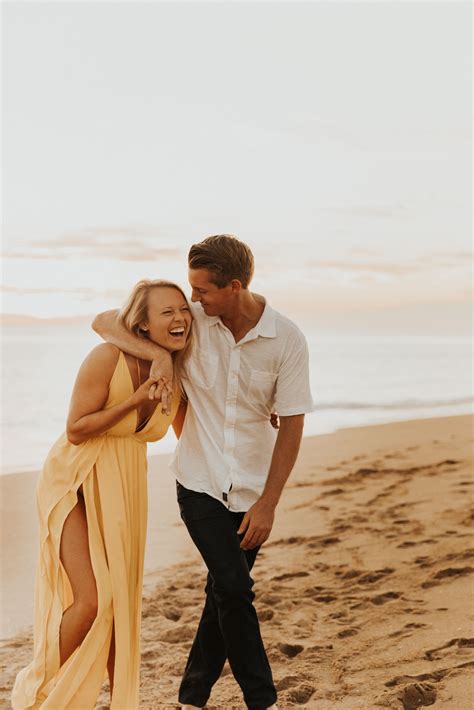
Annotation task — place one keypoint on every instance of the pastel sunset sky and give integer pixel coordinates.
(334, 138)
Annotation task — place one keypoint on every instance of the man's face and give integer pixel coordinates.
(215, 301)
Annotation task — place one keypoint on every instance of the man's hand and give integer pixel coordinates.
(161, 370)
(257, 524)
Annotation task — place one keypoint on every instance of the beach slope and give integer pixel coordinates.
(364, 590)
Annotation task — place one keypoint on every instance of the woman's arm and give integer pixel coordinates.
(87, 417)
(109, 327)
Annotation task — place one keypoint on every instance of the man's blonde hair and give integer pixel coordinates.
(135, 311)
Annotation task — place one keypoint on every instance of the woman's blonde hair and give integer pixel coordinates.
(135, 311)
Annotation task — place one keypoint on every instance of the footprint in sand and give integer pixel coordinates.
(466, 555)
(341, 527)
(301, 694)
(290, 649)
(345, 633)
(178, 634)
(172, 613)
(375, 576)
(407, 543)
(333, 492)
(289, 681)
(424, 561)
(351, 574)
(324, 598)
(417, 695)
(385, 597)
(447, 573)
(339, 615)
(266, 614)
(405, 631)
(300, 691)
(414, 612)
(435, 654)
(324, 541)
(290, 575)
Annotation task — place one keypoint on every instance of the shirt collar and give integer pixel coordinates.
(266, 326)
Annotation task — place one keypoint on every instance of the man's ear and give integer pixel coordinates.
(235, 285)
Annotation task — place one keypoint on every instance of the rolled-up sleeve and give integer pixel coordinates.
(293, 389)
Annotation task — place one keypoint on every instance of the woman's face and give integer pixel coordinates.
(169, 319)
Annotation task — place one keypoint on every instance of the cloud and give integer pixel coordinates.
(377, 264)
(84, 293)
(118, 243)
(370, 211)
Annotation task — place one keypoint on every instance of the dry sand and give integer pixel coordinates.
(364, 590)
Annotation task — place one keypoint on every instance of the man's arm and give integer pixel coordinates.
(258, 521)
(109, 327)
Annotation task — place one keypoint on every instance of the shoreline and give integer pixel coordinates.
(466, 411)
(362, 590)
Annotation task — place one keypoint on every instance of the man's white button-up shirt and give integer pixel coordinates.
(227, 442)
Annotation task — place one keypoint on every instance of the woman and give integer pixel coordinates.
(92, 504)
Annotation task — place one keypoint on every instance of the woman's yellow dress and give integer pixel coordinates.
(112, 470)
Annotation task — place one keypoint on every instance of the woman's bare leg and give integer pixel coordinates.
(75, 556)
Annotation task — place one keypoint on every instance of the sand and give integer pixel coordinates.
(364, 590)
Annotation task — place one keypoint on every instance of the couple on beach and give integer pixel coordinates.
(215, 371)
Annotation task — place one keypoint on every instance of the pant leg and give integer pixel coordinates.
(208, 652)
(229, 624)
(207, 656)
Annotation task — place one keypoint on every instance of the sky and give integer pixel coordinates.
(333, 137)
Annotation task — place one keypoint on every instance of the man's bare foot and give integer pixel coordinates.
(190, 707)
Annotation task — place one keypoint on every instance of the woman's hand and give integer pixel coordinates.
(142, 394)
(162, 371)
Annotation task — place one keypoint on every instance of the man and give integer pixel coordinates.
(231, 467)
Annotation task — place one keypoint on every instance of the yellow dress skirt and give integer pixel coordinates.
(112, 470)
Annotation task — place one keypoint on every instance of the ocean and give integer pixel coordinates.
(356, 380)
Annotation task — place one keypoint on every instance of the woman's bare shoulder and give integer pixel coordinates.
(103, 357)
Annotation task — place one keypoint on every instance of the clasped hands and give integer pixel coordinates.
(161, 388)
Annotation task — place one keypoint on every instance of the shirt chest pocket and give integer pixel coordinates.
(202, 370)
(261, 387)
